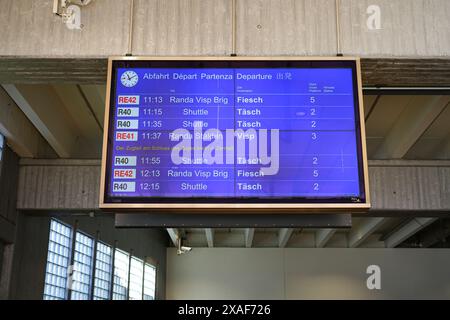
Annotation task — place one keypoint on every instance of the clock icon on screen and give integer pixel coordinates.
(129, 79)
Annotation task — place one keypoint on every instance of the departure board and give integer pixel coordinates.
(234, 131)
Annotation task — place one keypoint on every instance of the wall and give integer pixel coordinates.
(307, 274)
(264, 27)
(9, 174)
(412, 39)
(1, 256)
(32, 243)
(20, 133)
(394, 185)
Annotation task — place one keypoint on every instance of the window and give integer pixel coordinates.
(58, 260)
(149, 282)
(136, 278)
(103, 268)
(97, 267)
(121, 272)
(82, 267)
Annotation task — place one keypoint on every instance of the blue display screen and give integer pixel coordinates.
(238, 133)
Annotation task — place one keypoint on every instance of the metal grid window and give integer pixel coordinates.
(149, 282)
(136, 278)
(121, 273)
(58, 260)
(82, 268)
(103, 269)
(92, 273)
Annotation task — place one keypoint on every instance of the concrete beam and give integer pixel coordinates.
(47, 113)
(436, 235)
(174, 234)
(235, 238)
(225, 220)
(60, 183)
(84, 117)
(223, 238)
(394, 186)
(408, 230)
(81, 109)
(95, 95)
(362, 232)
(370, 102)
(210, 237)
(444, 150)
(249, 234)
(21, 70)
(376, 71)
(283, 236)
(400, 185)
(20, 133)
(322, 236)
(412, 124)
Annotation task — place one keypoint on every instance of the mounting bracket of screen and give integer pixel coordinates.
(234, 135)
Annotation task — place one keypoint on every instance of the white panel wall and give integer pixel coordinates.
(307, 273)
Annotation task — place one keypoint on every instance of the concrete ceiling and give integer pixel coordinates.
(407, 126)
(69, 121)
(366, 232)
(70, 118)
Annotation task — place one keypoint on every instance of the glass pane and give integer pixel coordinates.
(82, 268)
(121, 269)
(58, 260)
(149, 282)
(103, 266)
(136, 278)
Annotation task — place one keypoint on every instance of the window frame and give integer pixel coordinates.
(69, 258)
(91, 267)
(129, 255)
(142, 262)
(154, 266)
(111, 271)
